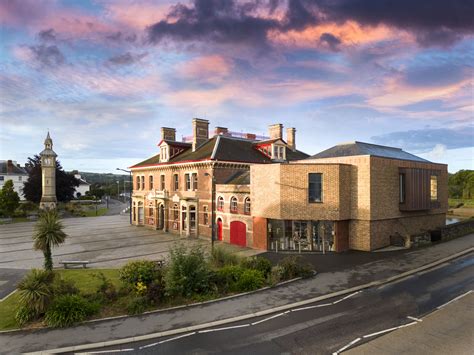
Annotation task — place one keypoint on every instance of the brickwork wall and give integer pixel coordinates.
(260, 239)
(265, 191)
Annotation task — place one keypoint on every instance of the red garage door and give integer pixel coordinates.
(238, 233)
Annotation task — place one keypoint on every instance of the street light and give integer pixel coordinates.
(213, 208)
(131, 188)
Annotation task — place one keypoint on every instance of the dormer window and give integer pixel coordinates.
(278, 152)
(164, 153)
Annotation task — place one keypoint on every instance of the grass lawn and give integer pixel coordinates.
(453, 202)
(91, 213)
(17, 220)
(83, 278)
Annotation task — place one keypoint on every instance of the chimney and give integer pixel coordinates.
(168, 134)
(275, 131)
(250, 136)
(200, 132)
(221, 131)
(9, 167)
(291, 138)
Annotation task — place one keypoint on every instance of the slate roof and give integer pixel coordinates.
(239, 178)
(15, 171)
(228, 149)
(361, 148)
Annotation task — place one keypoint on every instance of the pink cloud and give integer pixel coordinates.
(211, 69)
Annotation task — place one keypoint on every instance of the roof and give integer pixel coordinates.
(16, 170)
(361, 148)
(175, 143)
(222, 148)
(241, 177)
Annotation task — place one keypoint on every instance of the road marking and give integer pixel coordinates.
(415, 319)
(342, 299)
(165, 341)
(264, 320)
(311, 307)
(432, 269)
(389, 330)
(454, 299)
(107, 351)
(225, 328)
(346, 346)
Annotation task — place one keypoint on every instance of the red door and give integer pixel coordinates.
(238, 233)
(219, 229)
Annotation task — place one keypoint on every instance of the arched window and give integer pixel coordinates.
(220, 203)
(247, 206)
(233, 204)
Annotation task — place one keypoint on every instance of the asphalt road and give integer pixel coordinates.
(325, 327)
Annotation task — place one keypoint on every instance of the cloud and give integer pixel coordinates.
(49, 56)
(424, 140)
(212, 69)
(47, 35)
(126, 58)
(331, 41)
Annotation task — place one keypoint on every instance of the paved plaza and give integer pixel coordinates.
(106, 242)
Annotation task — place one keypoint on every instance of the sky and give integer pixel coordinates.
(104, 75)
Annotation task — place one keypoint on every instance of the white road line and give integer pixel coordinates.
(225, 328)
(264, 320)
(346, 346)
(311, 307)
(342, 299)
(389, 330)
(166, 340)
(107, 351)
(415, 319)
(455, 299)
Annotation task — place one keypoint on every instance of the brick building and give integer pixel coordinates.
(271, 196)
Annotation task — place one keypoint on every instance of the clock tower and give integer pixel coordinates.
(48, 172)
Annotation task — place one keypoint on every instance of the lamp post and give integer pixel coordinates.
(213, 207)
(131, 188)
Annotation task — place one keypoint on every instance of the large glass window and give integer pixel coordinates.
(434, 188)
(315, 191)
(402, 188)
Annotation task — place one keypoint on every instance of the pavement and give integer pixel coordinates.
(450, 330)
(322, 284)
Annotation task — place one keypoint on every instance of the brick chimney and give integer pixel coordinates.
(9, 167)
(221, 131)
(291, 138)
(275, 131)
(200, 132)
(168, 134)
(250, 136)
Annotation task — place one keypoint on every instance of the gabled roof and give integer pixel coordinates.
(175, 143)
(16, 170)
(222, 148)
(361, 148)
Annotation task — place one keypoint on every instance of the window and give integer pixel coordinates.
(275, 152)
(2, 178)
(195, 181)
(402, 188)
(162, 182)
(151, 181)
(19, 178)
(233, 204)
(150, 212)
(434, 188)
(176, 182)
(280, 154)
(220, 203)
(143, 182)
(315, 188)
(138, 182)
(206, 215)
(247, 206)
(188, 181)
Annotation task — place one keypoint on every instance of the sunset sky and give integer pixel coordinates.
(104, 76)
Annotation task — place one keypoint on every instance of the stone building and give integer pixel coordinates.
(271, 196)
(48, 173)
(11, 170)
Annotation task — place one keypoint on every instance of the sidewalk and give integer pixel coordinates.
(323, 283)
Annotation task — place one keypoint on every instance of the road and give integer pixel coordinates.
(326, 327)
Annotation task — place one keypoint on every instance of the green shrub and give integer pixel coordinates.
(69, 309)
(137, 305)
(106, 287)
(258, 263)
(155, 292)
(276, 275)
(24, 314)
(188, 272)
(292, 267)
(144, 271)
(222, 257)
(64, 287)
(250, 280)
(226, 277)
(36, 291)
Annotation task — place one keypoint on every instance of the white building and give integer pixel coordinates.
(83, 187)
(11, 170)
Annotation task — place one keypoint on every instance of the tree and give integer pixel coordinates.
(48, 233)
(66, 183)
(9, 199)
(461, 184)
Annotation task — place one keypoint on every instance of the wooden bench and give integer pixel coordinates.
(66, 263)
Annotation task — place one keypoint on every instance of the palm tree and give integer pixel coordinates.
(48, 233)
(35, 290)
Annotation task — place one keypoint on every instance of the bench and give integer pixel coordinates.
(66, 263)
(160, 262)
